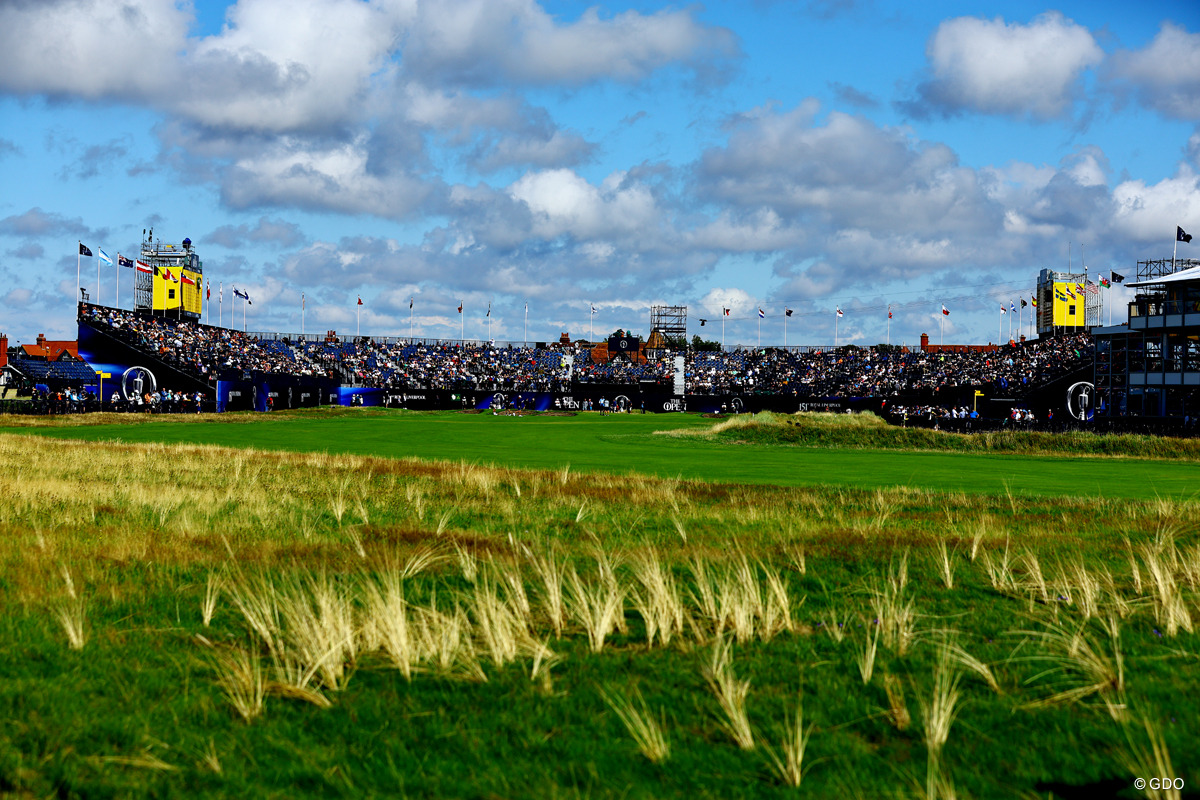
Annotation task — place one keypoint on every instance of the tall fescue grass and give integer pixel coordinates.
(309, 571)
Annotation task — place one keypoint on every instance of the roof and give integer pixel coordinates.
(1182, 276)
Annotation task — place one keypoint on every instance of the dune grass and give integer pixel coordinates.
(305, 624)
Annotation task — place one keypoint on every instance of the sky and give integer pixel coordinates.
(562, 157)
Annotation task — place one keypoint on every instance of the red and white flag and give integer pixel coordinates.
(142, 266)
(945, 311)
(188, 280)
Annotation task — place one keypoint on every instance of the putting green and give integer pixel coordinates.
(628, 444)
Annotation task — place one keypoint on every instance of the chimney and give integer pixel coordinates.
(41, 340)
(924, 341)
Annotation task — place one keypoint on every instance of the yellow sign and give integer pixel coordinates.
(1070, 304)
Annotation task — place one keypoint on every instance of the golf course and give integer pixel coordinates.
(368, 603)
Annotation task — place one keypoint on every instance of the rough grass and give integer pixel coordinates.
(266, 623)
(867, 431)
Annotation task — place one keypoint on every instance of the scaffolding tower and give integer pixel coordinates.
(670, 325)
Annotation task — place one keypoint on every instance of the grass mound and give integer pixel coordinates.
(867, 431)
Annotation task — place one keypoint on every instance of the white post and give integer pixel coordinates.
(410, 319)
(889, 325)
(78, 256)
(243, 315)
(527, 325)
(462, 324)
(358, 321)
(942, 328)
(760, 331)
(722, 328)
(302, 316)
(836, 317)
(785, 326)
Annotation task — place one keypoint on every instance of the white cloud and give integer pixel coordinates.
(995, 67)
(564, 204)
(334, 178)
(483, 42)
(1148, 214)
(1164, 76)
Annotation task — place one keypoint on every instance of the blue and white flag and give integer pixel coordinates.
(1012, 306)
(244, 295)
(105, 257)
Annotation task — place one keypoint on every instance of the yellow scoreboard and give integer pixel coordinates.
(1070, 305)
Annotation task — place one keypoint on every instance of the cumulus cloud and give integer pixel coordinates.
(38, 223)
(273, 231)
(333, 178)
(485, 42)
(1165, 75)
(994, 67)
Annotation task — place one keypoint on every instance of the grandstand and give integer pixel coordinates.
(243, 370)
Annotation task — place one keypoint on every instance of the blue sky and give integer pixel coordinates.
(808, 155)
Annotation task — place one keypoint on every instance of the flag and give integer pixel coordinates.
(460, 307)
(945, 311)
(1033, 301)
(489, 313)
(787, 312)
(702, 322)
(1093, 288)
(142, 266)
(1023, 303)
(1117, 277)
(360, 301)
(105, 257)
(169, 276)
(410, 302)
(840, 313)
(761, 315)
(208, 294)
(593, 309)
(1003, 310)
(889, 313)
(244, 295)
(301, 298)
(1012, 306)
(122, 261)
(188, 280)
(1070, 293)
(1105, 283)
(1182, 236)
(725, 311)
(84, 251)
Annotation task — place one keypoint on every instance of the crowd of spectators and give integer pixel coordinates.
(205, 351)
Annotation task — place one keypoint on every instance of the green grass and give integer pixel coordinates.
(130, 536)
(868, 455)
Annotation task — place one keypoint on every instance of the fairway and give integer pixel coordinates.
(627, 444)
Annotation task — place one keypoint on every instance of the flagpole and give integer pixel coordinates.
(410, 319)
(723, 328)
(221, 306)
(889, 325)
(527, 325)
(243, 315)
(1000, 327)
(785, 326)
(118, 300)
(78, 257)
(302, 316)
(942, 327)
(462, 324)
(760, 331)
(835, 330)
(358, 323)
